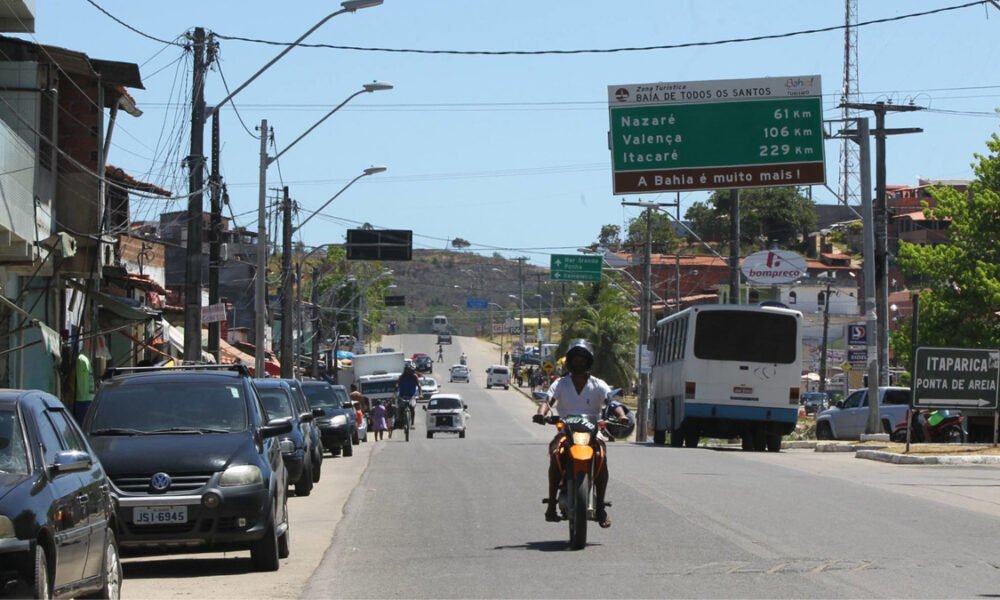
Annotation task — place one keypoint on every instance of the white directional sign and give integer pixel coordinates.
(956, 377)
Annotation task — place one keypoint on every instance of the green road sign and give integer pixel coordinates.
(956, 378)
(702, 135)
(573, 267)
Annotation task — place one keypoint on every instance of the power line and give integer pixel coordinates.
(129, 27)
(611, 50)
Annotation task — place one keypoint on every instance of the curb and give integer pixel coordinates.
(909, 459)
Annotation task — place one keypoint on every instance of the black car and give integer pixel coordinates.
(57, 517)
(815, 402)
(423, 363)
(302, 405)
(338, 426)
(194, 463)
(276, 395)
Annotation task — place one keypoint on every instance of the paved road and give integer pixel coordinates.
(450, 517)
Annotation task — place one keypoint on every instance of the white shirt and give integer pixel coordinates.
(564, 398)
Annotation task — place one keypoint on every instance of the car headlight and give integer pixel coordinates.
(6, 528)
(339, 421)
(241, 475)
(581, 438)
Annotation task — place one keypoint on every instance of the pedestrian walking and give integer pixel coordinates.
(440, 353)
(506, 358)
(390, 416)
(379, 425)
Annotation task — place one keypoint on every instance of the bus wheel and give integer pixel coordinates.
(774, 442)
(659, 436)
(747, 441)
(691, 438)
(759, 440)
(676, 439)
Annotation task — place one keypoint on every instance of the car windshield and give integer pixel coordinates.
(13, 454)
(322, 396)
(277, 403)
(445, 403)
(427, 382)
(499, 370)
(170, 406)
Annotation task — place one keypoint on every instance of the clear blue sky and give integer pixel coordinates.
(508, 152)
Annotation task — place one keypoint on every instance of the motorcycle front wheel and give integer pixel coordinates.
(579, 494)
(954, 435)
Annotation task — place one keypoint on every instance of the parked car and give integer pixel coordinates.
(446, 413)
(848, 418)
(423, 362)
(498, 375)
(338, 423)
(458, 373)
(302, 405)
(386, 349)
(444, 338)
(298, 453)
(361, 422)
(428, 387)
(193, 461)
(814, 402)
(57, 518)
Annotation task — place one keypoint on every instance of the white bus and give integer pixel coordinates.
(727, 371)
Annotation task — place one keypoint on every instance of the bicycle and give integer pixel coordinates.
(404, 410)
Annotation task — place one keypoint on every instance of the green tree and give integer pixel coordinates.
(664, 238)
(609, 238)
(781, 215)
(960, 279)
(604, 318)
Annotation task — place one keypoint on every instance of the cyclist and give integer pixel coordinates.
(407, 390)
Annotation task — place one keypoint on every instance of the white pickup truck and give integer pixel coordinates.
(848, 419)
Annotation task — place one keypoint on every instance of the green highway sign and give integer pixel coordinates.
(703, 135)
(956, 378)
(573, 267)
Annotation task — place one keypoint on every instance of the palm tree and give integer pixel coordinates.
(605, 319)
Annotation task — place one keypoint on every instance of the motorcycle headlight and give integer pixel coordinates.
(6, 528)
(581, 438)
(339, 421)
(241, 475)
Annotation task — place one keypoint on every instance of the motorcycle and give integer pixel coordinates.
(579, 456)
(462, 360)
(947, 430)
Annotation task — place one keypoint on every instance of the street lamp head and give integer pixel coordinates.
(353, 5)
(377, 86)
(375, 169)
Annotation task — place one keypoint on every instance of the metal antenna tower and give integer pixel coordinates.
(849, 176)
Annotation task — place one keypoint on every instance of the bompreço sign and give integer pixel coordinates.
(771, 267)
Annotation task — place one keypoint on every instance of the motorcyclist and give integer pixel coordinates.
(620, 421)
(462, 359)
(407, 389)
(577, 393)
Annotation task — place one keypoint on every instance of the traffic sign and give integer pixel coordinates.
(548, 366)
(723, 134)
(956, 377)
(574, 267)
(857, 334)
(482, 303)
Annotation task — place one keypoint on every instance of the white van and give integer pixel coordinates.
(498, 375)
(439, 324)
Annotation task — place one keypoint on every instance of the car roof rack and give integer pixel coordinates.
(188, 366)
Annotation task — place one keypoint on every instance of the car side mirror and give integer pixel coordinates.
(424, 407)
(839, 404)
(319, 412)
(71, 461)
(276, 427)
(306, 417)
(465, 406)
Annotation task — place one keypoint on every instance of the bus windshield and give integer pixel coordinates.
(746, 336)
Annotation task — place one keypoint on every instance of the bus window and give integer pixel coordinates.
(746, 337)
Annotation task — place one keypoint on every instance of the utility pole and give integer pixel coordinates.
(215, 240)
(260, 280)
(826, 327)
(287, 299)
(196, 165)
(520, 279)
(881, 215)
(734, 246)
(317, 325)
(645, 318)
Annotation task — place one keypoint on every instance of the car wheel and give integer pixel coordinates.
(348, 448)
(264, 552)
(318, 468)
(304, 486)
(43, 578)
(506, 387)
(430, 434)
(487, 386)
(285, 540)
(461, 434)
(111, 587)
(823, 431)
(355, 439)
